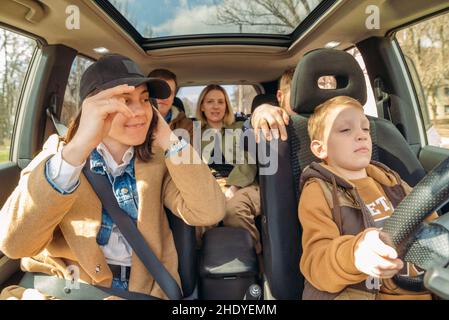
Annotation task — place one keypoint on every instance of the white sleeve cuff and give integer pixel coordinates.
(63, 174)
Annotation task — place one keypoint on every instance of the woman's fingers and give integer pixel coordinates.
(110, 101)
(113, 105)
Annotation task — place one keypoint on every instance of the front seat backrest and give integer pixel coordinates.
(281, 231)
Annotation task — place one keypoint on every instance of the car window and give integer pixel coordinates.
(71, 103)
(241, 97)
(16, 52)
(194, 17)
(370, 106)
(425, 46)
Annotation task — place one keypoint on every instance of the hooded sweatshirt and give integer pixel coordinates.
(335, 215)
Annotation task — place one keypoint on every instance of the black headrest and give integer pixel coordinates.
(305, 93)
(264, 98)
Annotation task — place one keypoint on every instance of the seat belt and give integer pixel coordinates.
(382, 99)
(51, 113)
(127, 227)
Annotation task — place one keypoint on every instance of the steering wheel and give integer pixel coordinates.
(425, 245)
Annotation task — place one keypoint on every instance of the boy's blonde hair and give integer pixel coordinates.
(229, 114)
(317, 120)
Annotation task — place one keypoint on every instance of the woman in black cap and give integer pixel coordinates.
(57, 225)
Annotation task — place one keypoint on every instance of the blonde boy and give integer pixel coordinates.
(344, 202)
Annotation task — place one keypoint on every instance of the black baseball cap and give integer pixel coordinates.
(114, 69)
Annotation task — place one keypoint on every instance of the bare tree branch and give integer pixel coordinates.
(425, 44)
(278, 16)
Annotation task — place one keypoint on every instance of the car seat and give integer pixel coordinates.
(281, 232)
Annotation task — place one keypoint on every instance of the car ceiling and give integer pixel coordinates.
(343, 22)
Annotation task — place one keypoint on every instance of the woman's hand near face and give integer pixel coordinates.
(97, 113)
(163, 135)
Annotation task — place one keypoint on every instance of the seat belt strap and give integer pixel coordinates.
(127, 227)
(60, 128)
(51, 113)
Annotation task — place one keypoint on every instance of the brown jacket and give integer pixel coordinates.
(334, 218)
(180, 121)
(51, 231)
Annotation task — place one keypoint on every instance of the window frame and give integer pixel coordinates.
(24, 90)
(413, 87)
(21, 101)
(148, 44)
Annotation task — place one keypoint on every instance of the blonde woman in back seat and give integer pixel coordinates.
(238, 181)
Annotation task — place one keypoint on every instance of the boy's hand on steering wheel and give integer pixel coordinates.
(374, 258)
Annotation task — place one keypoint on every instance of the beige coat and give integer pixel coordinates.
(51, 231)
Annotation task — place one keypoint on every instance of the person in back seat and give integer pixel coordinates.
(344, 202)
(238, 180)
(283, 93)
(173, 116)
(55, 222)
(266, 108)
(269, 120)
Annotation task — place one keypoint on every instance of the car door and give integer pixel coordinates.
(33, 82)
(17, 56)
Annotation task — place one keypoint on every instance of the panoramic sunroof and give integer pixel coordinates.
(164, 18)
